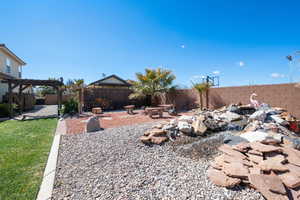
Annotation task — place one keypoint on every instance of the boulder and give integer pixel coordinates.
(199, 127)
(92, 124)
(185, 127)
(254, 136)
(230, 116)
(259, 115)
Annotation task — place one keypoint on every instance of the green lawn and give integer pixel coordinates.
(24, 148)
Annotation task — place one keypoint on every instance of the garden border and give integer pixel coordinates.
(47, 185)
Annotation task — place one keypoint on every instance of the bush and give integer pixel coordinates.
(70, 107)
(4, 110)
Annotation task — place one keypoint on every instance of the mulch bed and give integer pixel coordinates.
(113, 119)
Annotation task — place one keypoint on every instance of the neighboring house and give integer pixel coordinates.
(112, 81)
(10, 67)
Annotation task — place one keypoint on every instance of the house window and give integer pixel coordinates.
(8, 66)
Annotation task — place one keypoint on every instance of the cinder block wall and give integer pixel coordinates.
(278, 95)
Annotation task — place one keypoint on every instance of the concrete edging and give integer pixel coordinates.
(47, 185)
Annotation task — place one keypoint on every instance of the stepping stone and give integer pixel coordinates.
(224, 158)
(264, 148)
(255, 158)
(236, 170)
(254, 152)
(158, 140)
(293, 169)
(268, 165)
(293, 155)
(290, 180)
(229, 151)
(242, 147)
(255, 170)
(258, 181)
(276, 157)
(215, 166)
(221, 179)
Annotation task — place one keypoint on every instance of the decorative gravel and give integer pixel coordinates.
(114, 164)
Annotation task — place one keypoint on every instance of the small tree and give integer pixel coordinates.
(201, 88)
(153, 83)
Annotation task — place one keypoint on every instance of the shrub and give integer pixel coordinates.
(70, 107)
(4, 110)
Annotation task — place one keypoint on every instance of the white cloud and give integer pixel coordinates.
(197, 77)
(182, 46)
(217, 72)
(277, 75)
(241, 63)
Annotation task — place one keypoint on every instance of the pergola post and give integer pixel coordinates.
(20, 99)
(10, 100)
(59, 100)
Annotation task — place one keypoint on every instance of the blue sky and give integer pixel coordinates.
(244, 42)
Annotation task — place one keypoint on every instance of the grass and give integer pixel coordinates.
(24, 148)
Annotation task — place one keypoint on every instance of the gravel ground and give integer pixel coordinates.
(113, 164)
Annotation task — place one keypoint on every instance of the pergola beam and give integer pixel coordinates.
(25, 83)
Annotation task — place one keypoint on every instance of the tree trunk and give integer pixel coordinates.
(201, 101)
(207, 99)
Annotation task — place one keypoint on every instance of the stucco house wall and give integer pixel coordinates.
(15, 69)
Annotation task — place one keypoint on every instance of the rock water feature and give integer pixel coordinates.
(259, 148)
(249, 123)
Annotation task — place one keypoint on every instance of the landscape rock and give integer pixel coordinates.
(274, 165)
(279, 120)
(235, 170)
(186, 118)
(263, 185)
(92, 124)
(230, 116)
(290, 180)
(242, 147)
(293, 156)
(221, 179)
(229, 151)
(158, 140)
(254, 136)
(199, 127)
(233, 140)
(259, 115)
(264, 148)
(271, 140)
(185, 127)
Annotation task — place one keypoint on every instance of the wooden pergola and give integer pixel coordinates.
(22, 84)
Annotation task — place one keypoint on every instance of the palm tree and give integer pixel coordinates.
(153, 83)
(201, 88)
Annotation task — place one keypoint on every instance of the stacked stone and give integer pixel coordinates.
(271, 166)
